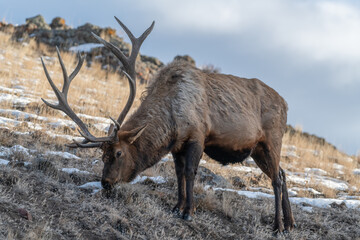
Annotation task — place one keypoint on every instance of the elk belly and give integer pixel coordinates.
(226, 156)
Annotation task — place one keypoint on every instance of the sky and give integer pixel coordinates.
(307, 50)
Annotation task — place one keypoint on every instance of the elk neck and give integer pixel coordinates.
(156, 140)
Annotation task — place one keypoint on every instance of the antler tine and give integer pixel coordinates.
(136, 42)
(76, 144)
(64, 106)
(130, 100)
(93, 139)
(128, 62)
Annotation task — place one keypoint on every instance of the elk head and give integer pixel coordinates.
(118, 147)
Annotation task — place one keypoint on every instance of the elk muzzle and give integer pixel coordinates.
(107, 183)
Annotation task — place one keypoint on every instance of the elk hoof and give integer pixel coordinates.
(187, 217)
(176, 211)
(278, 231)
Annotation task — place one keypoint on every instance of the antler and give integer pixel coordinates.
(91, 141)
(128, 62)
(64, 106)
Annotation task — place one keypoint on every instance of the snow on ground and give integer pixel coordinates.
(91, 185)
(4, 162)
(315, 202)
(167, 158)
(356, 171)
(96, 119)
(69, 138)
(16, 100)
(317, 171)
(8, 122)
(65, 155)
(290, 151)
(96, 186)
(21, 115)
(328, 182)
(158, 179)
(11, 90)
(87, 47)
(298, 189)
(246, 169)
(16, 149)
(74, 170)
(248, 194)
(7, 152)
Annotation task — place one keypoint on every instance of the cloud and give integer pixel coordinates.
(317, 32)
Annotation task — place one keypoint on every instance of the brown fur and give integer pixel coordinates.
(187, 111)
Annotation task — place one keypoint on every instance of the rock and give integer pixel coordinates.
(39, 21)
(61, 35)
(238, 182)
(152, 60)
(186, 58)
(25, 214)
(109, 31)
(341, 206)
(58, 23)
(88, 27)
(207, 177)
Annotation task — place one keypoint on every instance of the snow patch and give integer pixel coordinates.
(157, 179)
(248, 194)
(307, 209)
(4, 162)
(74, 170)
(356, 171)
(325, 202)
(311, 190)
(317, 171)
(87, 47)
(11, 90)
(67, 137)
(16, 100)
(247, 169)
(65, 155)
(315, 202)
(321, 180)
(167, 158)
(95, 186)
(7, 152)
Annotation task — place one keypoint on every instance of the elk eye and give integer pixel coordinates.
(118, 153)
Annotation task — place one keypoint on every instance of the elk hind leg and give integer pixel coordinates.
(268, 162)
(193, 153)
(289, 221)
(179, 160)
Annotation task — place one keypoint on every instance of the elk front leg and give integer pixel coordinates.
(193, 153)
(179, 160)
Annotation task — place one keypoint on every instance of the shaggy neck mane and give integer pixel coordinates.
(157, 139)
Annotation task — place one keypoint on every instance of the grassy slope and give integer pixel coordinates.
(60, 210)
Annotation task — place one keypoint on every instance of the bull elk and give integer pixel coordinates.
(187, 111)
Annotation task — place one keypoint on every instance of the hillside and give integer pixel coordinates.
(48, 191)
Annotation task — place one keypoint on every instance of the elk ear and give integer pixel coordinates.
(136, 133)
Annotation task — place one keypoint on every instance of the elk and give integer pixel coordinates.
(187, 111)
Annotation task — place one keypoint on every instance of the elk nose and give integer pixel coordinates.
(106, 184)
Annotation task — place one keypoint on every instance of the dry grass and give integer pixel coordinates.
(93, 92)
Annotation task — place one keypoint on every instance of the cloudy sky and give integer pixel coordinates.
(308, 50)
